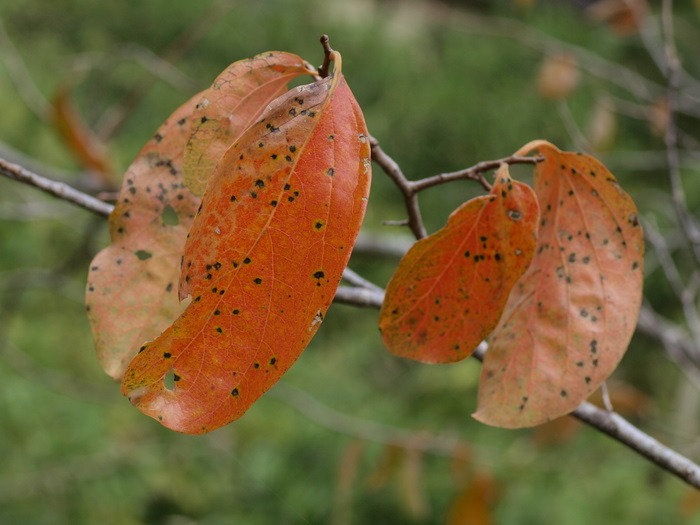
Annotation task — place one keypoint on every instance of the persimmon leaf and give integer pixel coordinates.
(449, 290)
(235, 100)
(570, 318)
(132, 284)
(263, 260)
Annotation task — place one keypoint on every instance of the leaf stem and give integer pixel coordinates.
(328, 56)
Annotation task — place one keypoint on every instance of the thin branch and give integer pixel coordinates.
(606, 422)
(410, 189)
(392, 169)
(673, 71)
(646, 446)
(57, 189)
(615, 73)
(618, 428)
(474, 173)
(678, 346)
(355, 296)
(354, 278)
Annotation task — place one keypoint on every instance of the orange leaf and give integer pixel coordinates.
(235, 100)
(263, 259)
(132, 284)
(450, 288)
(570, 318)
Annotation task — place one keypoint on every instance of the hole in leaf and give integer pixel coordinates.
(143, 255)
(169, 379)
(169, 216)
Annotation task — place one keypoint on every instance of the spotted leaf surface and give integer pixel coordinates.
(450, 288)
(132, 284)
(263, 260)
(235, 100)
(570, 318)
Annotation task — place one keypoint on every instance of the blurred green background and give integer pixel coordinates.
(443, 86)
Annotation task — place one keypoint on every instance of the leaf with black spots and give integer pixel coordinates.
(449, 290)
(235, 100)
(132, 284)
(263, 260)
(571, 316)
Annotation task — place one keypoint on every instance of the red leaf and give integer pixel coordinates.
(235, 100)
(132, 284)
(263, 260)
(570, 318)
(450, 288)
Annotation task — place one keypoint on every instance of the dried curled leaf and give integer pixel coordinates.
(235, 100)
(449, 290)
(570, 318)
(263, 260)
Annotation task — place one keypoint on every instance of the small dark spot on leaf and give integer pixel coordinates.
(257, 280)
(234, 392)
(167, 355)
(143, 255)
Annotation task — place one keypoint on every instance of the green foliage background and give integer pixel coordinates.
(440, 94)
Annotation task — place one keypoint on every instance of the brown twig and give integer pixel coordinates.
(474, 173)
(57, 189)
(324, 69)
(392, 169)
(410, 189)
(609, 423)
